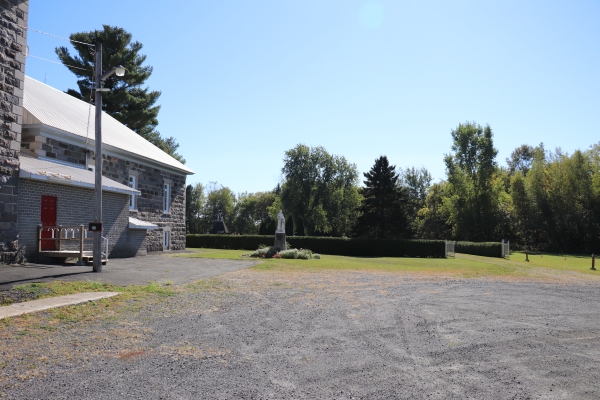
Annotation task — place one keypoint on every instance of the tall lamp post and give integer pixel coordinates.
(96, 227)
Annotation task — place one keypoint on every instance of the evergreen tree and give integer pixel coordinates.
(128, 101)
(384, 204)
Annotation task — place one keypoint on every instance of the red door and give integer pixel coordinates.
(48, 219)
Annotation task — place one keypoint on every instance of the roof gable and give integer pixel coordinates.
(48, 106)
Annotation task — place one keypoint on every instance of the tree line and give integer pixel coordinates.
(540, 200)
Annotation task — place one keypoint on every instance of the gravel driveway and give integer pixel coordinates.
(335, 335)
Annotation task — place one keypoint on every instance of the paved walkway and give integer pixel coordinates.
(44, 304)
(158, 267)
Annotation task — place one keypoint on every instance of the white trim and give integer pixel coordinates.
(26, 175)
(61, 162)
(166, 197)
(166, 240)
(135, 223)
(133, 199)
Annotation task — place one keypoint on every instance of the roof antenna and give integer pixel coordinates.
(45, 74)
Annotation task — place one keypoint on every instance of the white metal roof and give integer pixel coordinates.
(44, 170)
(49, 106)
(135, 223)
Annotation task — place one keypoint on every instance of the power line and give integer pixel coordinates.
(56, 62)
(55, 36)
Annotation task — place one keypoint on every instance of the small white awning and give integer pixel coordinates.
(135, 223)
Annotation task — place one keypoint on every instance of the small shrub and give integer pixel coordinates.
(289, 254)
(302, 254)
(264, 252)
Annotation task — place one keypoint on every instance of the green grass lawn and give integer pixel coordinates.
(463, 265)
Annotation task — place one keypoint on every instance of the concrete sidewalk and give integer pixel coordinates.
(44, 304)
(160, 267)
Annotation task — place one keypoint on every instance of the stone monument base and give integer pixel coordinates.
(280, 241)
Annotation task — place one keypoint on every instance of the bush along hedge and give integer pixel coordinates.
(271, 252)
(328, 245)
(486, 249)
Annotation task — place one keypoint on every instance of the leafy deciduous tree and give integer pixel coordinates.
(319, 191)
(472, 201)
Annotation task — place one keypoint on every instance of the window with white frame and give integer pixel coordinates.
(167, 198)
(166, 240)
(132, 197)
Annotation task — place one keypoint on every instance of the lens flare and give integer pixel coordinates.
(371, 15)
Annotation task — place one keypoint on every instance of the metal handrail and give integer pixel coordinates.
(105, 254)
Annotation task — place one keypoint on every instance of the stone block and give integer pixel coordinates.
(16, 47)
(12, 17)
(12, 99)
(20, 76)
(280, 244)
(20, 57)
(7, 88)
(10, 53)
(17, 91)
(8, 217)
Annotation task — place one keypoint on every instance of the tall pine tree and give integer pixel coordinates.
(384, 205)
(128, 101)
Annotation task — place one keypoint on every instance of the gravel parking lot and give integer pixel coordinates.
(338, 335)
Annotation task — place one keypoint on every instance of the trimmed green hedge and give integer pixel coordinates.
(327, 245)
(486, 249)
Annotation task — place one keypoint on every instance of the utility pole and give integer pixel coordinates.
(98, 170)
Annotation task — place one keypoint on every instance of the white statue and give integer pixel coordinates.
(280, 222)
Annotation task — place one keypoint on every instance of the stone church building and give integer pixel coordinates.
(47, 166)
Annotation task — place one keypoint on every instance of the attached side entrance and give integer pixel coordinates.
(48, 218)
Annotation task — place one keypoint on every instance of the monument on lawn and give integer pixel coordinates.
(280, 233)
(219, 227)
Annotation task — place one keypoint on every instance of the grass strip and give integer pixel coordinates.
(462, 265)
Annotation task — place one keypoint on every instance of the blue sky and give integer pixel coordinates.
(242, 82)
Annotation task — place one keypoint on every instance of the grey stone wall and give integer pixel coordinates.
(75, 207)
(51, 148)
(13, 44)
(149, 179)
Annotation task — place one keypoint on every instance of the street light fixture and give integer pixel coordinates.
(97, 226)
(119, 70)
